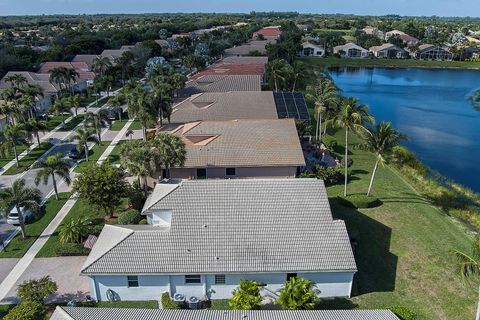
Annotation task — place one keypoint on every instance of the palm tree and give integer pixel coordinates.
(124, 62)
(60, 107)
(75, 102)
(20, 196)
(140, 106)
(352, 117)
(51, 166)
(83, 136)
(34, 126)
(71, 76)
(101, 64)
(32, 93)
(162, 97)
(17, 80)
(299, 71)
(468, 265)
(170, 151)
(139, 160)
(117, 102)
(74, 230)
(14, 134)
(178, 81)
(97, 121)
(58, 76)
(279, 70)
(325, 95)
(380, 140)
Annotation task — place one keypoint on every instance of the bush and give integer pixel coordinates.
(167, 303)
(27, 310)
(131, 216)
(136, 197)
(329, 141)
(331, 175)
(359, 201)
(71, 249)
(36, 289)
(143, 221)
(75, 230)
(403, 313)
(402, 156)
(246, 296)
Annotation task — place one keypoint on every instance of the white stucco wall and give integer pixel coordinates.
(331, 284)
(241, 172)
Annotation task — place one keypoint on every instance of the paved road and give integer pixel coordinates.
(5, 230)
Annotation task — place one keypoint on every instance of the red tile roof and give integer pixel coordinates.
(232, 69)
(81, 67)
(406, 38)
(268, 32)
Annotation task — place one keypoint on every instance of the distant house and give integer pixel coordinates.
(271, 32)
(389, 50)
(350, 50)
(467, 52)
(254, 47)
(232, 69)
(207, 235)
(393, 33)
(311, 50)
(85, 75)
(86, 58)
(245, 60)
(432, 52)
(113, 54)
(79, 313)
(222, 83)
(238, 149)
(373, 31)
(409, 40)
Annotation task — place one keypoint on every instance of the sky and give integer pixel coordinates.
(367, 7)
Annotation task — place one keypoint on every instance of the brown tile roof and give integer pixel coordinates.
(81, 67)
(232, 69)
(245, 60)
(87, 58)
(222, 83)
(268, 32)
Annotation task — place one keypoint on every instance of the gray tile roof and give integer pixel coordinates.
(71, 313)
(226, 106)
(222, 83)
(231, 226)
(245, 60)
(39, 79)
(240, 143)
(247, 48)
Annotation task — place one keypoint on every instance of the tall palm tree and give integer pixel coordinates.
(139, 160)
(178, 81)
(50, 167)
(58, 77)
(14, 134)
(20, 196)
(83, 136)
(352, 117)
(60, 107)
(32, 94)
(6, 109)
(468, 266)
(325, 96)
(34, 127)
(299, 71)
(279, 70)
(380, 140)
(97, 121)
(17, 80)
(101, 64)
(124, 61)
(71, 76)
(161, 97)
(170, 151)
(140, 106)
(75, 102)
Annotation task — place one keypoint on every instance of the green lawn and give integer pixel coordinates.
(17, 247)
(136, 125)
(93, 155)
(332, 61)
(11, 156)
(54, 121)
(29, 159)
(80, 209)
(118, 125)
(114, 156)
(220, 305)
(404, 247)
(5, 308)
(72, 123)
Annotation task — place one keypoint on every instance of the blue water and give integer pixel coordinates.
(431, 107)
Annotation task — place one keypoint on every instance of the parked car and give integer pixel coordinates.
(13, 217)
(74, 154)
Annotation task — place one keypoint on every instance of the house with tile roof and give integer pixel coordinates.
(85, 74)
(205, 236)
(350, 50)
(221, 83)
(238, 149)
(433, 52)
(270, 32)
(232, 69)
(254, 47)
(311, 50)
(79, 313)
(389, 50)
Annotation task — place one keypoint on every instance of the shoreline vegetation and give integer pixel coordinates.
(332, 61)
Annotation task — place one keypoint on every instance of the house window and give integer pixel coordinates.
(192, 278)
(229, 172)
(132, 281)
(201, 173)
(219, 279)
(291, 275)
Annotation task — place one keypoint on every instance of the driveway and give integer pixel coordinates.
(65, 271)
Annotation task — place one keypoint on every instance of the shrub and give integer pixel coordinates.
(74, 230)
(143, 221)
(27, 310)
(331, 175)
(402, 156)
(403, 313)
(131, 216)
(297, 294)
(359, 201)
(136, 197)
(329, 141)
(246, 296)
(167, 303)
(71, 249)
(36, 289)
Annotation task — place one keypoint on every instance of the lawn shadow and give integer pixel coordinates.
(408, 198)
(377, 266)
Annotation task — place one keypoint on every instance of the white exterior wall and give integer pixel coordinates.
(330, 284)
(241, 172)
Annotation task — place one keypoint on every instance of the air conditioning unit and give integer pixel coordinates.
(179, 298)
(193, 303)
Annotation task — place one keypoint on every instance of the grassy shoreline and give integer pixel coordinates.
(332, 61)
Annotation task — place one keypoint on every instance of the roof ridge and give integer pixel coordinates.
(62, 312)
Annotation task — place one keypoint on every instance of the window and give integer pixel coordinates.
(291, 275)
(132, 281)
(230, 172)
(201, 173)
(219, 279)
(192, 278)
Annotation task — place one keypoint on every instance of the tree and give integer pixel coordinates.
(139, 160)
(58, 77)
(97, 121)
(16, 79)
(34, 127)
(70, 76)
(74, 230)
(102, 185)
(170, 150)
(278, 71)
(51, 167)
(36, 289)
(325, 96)
(74, 102)
(178, 81)
(297, 294)
(83, 136)
(14, 134)
(31, 94)
(20, 196)
(300, 72)
(60, 107)
(351, 117)
(140, 106)
(26, 310)
(124, 62)
(101, 64)
(246, 296)
(381, 140)
(468, 266)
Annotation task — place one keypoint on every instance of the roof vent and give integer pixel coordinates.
(217, 258)
(204, 225)
(189, 250)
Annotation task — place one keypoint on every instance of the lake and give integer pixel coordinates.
(431, 107)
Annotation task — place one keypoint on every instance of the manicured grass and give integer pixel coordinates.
(118, 125)
(220, 305)
(11, 156)
(72, 123)
(29, 159)
(53, 122)
(332, 61)
(80, 209)
(114, 156)
(17, 247)
(148, 304)
(403, 248)
(93, 155)
(136, 125)
(5, 308)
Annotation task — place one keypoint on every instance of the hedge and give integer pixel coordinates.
(131, 216)
(359, 201)
(71, 249)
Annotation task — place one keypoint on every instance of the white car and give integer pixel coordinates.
(13, 218)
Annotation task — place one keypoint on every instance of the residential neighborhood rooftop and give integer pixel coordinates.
(222, 83)
(81, 67)
(230, 226)
(232, 69)
(40, 79)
